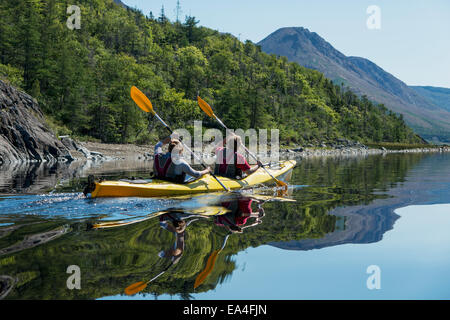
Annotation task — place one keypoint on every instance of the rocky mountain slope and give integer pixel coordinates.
(23, 134)
(362, 76)
(439, 96)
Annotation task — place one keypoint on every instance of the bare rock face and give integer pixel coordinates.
(23, 135)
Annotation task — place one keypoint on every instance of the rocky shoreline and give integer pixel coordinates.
(108, 152)
(352, 151)
(102, 152)
(24, 138)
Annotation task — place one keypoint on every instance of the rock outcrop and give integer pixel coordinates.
(23, 134)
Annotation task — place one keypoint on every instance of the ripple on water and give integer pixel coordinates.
(77, 206)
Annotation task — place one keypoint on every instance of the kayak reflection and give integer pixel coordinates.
(235, 222)
(203, 212)
(232, 212)
(176, 222)
(240, 210)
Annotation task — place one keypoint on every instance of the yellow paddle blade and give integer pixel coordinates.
(141, 100)
(209, 266)
(135, 288)
(281, 193)
(206, 107)
(281, 184)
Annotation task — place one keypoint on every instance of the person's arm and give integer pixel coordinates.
(245, 167)
(254, 168)
(186, 168)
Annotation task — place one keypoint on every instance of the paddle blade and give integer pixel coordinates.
(141, 100)
(205, 107)
(281, 184)
(135, 288)
(209, 266)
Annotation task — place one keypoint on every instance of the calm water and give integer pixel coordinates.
(341, 216)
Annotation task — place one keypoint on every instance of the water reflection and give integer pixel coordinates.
(179, 237)
(41, 177)
(188, 246)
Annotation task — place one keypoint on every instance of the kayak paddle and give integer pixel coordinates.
(209, 265)
(141, 285)
(144, 103)
(212, 260)
(208, 110)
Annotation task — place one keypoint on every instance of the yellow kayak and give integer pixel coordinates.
(160, 188)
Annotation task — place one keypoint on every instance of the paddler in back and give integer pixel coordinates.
(240, 212)
(229, 162)
(171, 166)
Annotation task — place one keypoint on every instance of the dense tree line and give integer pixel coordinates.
(82, 78)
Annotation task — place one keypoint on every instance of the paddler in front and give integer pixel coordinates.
(230, 163)
(171, 166)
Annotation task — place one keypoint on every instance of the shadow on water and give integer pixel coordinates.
(189, 243)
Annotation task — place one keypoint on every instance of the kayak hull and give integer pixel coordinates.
(207, 183)
(204, 211)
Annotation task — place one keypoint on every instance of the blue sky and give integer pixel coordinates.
(413, 42)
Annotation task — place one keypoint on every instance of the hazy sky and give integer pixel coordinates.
(413, 43)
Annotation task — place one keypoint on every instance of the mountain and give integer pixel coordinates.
(439, 96)
(361, 224)
(363, 77)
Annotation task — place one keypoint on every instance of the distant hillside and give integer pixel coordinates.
(439, 96)
(362, 76)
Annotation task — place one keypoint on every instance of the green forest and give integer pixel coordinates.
(82, 78)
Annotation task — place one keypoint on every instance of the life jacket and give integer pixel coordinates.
(229, 170)
(164, 169)
(236, 214)
(234, 218)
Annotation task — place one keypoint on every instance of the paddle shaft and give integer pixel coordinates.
(158, 275)
(188, 149)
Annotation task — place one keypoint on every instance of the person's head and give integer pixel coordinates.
(179, 225)
(170, 253)
(234, 141)
(235, 229)
(175, 146)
